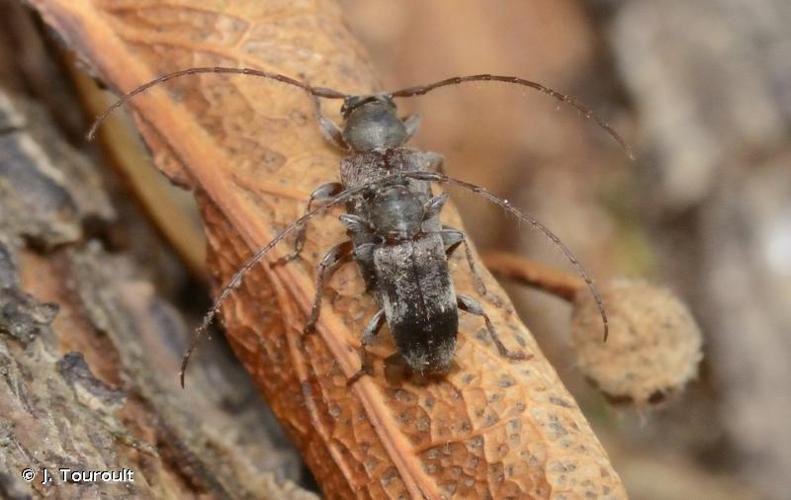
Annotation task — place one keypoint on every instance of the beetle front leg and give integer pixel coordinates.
(336, 256)
(370, 332)
(321, 195)
(471, 306)
(433, 162)
(329, 130)
(412, 123)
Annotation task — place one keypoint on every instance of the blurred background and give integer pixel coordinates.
(702, 90)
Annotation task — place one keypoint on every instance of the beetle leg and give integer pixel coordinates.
(355, 223)
(471, 306)
(412, 123)
(371, 330)
(452, 238)
(364, 255)
(336, 256)
(434, 205)
(435, 162)
(321, 195)
(329, 130)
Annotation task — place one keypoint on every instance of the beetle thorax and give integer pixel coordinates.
(397, 213)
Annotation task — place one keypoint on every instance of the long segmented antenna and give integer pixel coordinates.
(236, 279)
(524, 217)
(582, 109)
(316, 91)
(329, 93)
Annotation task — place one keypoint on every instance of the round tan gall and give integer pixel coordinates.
(654, 345)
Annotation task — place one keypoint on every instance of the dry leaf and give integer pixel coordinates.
(252, 151)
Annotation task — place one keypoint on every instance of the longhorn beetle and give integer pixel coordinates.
(392, 220)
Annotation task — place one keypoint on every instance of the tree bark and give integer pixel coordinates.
(89, 349)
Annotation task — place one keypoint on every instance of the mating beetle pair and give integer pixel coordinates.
(392, 220)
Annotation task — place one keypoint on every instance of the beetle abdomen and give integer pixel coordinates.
(417, 295)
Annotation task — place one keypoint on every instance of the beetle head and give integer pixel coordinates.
(371, 122)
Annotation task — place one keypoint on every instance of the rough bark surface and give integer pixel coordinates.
(711, 82)
(252, 152)
(89, 351)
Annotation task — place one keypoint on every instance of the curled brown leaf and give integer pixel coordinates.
(252, 151)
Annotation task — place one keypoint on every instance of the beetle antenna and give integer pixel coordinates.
(315, 91)
(252, 261)
(581, 108)
(523, 217)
